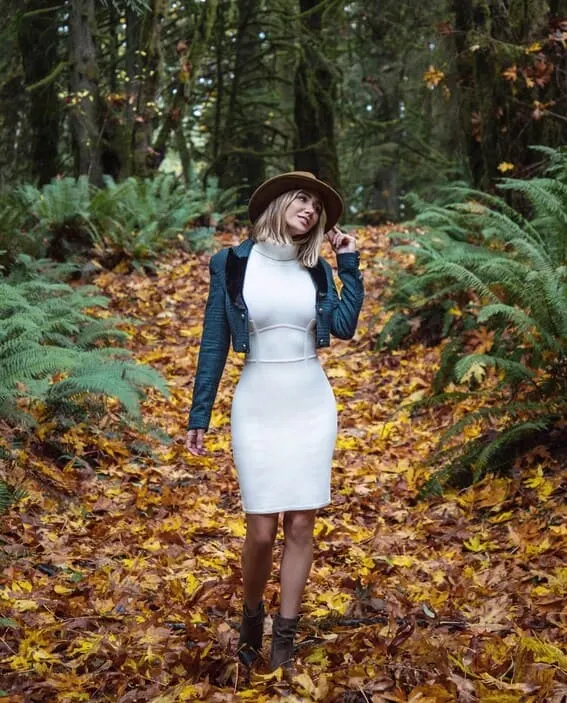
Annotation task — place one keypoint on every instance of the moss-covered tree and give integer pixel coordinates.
(143, 155)
(509, 88)
(241, 163)
(85, 98)
(316, 93)
(190, 51)
(38, 22)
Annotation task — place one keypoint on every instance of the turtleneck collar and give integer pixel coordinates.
(279, 252)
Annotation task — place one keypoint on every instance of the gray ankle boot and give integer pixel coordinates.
(283, 635)
(251, 632)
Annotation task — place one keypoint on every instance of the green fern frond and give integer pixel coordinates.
(46, 331)
(102, 330)
(9, 496)
(512, 410)
(507, 438)
(449, 358)
(103, 383)
(514, 370)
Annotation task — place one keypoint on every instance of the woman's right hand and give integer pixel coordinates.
(194, 442)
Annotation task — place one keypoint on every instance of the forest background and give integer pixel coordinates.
(379, 98)
(132, 134)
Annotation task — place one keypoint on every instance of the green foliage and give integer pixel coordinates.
(56, 355)
(141, 218)
(508, 273)
(9, 495)
(395, 135)
(53, 220)
(135, 219)
(17, 235)
(59, 203)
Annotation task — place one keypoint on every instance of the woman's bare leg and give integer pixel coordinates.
(297, 558)
(257, 556)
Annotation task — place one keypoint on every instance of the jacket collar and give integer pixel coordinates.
(235, 269)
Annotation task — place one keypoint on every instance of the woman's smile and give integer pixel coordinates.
(302, 214)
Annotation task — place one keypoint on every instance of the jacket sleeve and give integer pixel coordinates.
(213, 351)
(346, 307)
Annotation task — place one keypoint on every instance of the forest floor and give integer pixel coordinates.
(121, 568)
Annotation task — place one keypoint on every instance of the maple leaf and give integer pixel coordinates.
(476, 372)
(433, 77)
(511, 74)
(537, 480)
(533, 48)
(475, 544)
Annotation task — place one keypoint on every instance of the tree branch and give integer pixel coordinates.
(49, 78)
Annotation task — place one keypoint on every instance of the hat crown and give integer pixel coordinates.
(301, 173)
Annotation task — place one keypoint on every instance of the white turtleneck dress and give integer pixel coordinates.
(284, 415)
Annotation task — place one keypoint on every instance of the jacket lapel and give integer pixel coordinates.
(235, 270)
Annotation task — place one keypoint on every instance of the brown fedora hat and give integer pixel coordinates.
(295, 180)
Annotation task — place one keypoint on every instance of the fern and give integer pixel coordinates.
(140, 218)
(9, 496)
(45, 332)
(135, 218)
(475, 246)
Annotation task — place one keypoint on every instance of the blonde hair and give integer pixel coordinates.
(271, 225)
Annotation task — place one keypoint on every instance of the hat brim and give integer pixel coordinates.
(276, 186)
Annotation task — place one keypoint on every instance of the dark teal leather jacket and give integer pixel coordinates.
(226, 317)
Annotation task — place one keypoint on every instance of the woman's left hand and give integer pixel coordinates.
(341, 242)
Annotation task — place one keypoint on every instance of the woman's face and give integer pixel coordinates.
(302, 214)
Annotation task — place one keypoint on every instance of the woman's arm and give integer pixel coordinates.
(346, 306)
(213, 351)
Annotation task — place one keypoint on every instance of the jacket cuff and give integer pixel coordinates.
(348, 260)
(197, 424)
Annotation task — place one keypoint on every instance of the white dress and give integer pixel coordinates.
(284, 414)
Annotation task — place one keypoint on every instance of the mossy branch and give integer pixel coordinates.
(50, 78)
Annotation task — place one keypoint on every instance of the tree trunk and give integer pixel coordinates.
(241, 163)
(315, 96)
(15, 131)
(38, 27)
(216, 136)
(144, 157)
(190, 58)
(85, 109)
(121, 113)
(500, 119)
(558, 9)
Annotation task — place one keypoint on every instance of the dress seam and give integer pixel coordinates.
(286, 509)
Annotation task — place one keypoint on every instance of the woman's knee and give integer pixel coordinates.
(261, 531)
(298, 526)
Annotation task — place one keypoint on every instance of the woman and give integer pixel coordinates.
(276, 298)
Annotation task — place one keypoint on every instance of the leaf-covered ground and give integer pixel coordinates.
(121, 571)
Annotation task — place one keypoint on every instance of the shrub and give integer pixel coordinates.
(507, 273)
(17, 235)
(139, 219)
(134, 219)
(56, 354)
